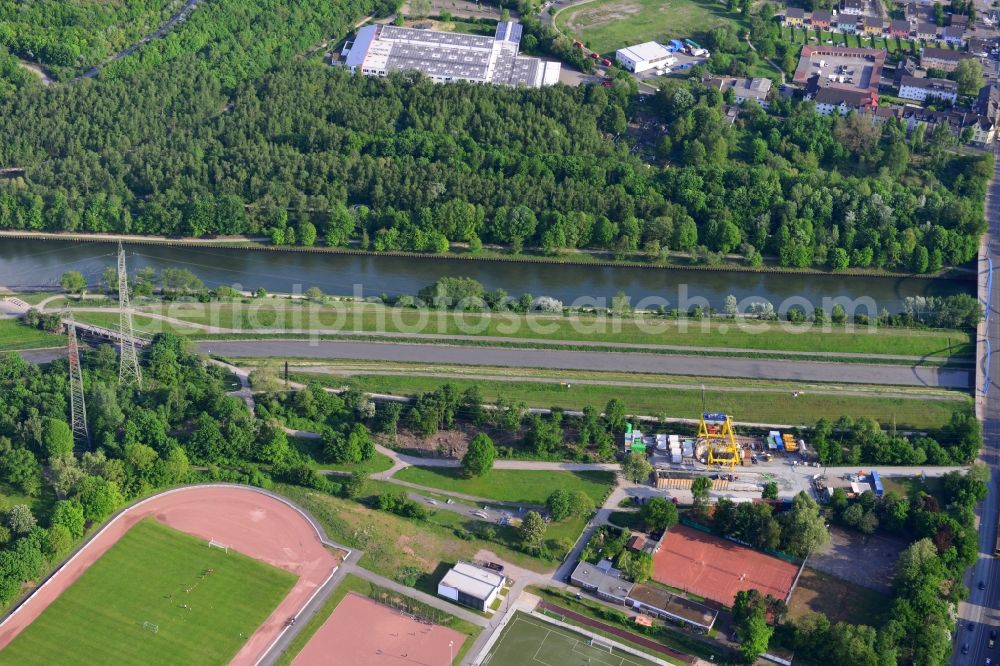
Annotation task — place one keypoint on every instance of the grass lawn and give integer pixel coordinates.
(838, 599)
(749, 405)
(402, 549)
(509, 485)
(15, 335)
(606, 25)
(630, 520)
(909, 486)
(530, 641)
(312, 450)
(41, 506)
(646, 330)
(352, 583)
(198, 597)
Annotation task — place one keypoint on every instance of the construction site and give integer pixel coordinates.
(734, 462)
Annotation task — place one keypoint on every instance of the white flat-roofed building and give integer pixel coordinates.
(642, 57)
(379, 50)
(471, 586)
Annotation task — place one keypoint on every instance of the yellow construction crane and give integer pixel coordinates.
(716, 430)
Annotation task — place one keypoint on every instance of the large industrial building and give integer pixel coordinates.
(449, 56)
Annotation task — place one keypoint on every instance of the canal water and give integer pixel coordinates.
(38, 263)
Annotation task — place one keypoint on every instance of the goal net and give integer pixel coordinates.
(601, 645)
(151, 628)
(218, 544)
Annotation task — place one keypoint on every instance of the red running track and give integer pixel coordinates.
(244, 518)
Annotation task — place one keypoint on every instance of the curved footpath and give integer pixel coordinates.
(811, 371)
(252, 521)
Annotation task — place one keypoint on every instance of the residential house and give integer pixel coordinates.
(847, 23)
(838, 100)
(872, 26)
(921, 90)
(795, 17)
(954, 35)
(984, 131)
(743, 89)
(981, 130)
(608, 586)
(636, 542)
(822, 19)
(927, 31)
(959, 19)
(988, 101)
(899, 28)
(981, 47)
(884, 113)
(943, 59)
(906, 68)
(853, 7)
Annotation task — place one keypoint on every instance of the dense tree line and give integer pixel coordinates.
(140, 442)
(183, 139)
(853, 442)
(796, 531)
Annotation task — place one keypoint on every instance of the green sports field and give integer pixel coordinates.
(528, 641)
(203, 602)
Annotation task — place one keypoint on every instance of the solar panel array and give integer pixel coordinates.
(435, 61)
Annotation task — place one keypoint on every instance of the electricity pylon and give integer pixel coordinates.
(78, 409)
(128, 372)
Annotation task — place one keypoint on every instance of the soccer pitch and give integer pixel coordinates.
(158, 596)
(528, 640)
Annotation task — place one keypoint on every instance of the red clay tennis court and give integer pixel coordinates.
(717, 569)
(362, 632)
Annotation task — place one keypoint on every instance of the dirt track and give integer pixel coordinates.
(243, 518)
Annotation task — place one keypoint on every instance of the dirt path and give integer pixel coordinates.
(246, 519)
(37, 71)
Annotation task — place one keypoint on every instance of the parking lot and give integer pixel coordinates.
(684, 63)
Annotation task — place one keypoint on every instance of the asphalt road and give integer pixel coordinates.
(982, 609)
(667, 364)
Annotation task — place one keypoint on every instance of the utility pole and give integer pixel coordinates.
(129, 371)
(78, 409)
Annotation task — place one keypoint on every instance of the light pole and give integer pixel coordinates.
(451, 646)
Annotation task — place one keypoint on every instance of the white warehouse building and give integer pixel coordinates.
(643, 56)
(379, 50)
(471, 586)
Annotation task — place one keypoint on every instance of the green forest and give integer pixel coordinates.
(67, 36)
(219, 129)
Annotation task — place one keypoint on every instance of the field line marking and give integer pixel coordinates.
(548, 632)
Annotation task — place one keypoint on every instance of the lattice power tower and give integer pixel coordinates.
(78, 408)
(128, 372)
(716, 430)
